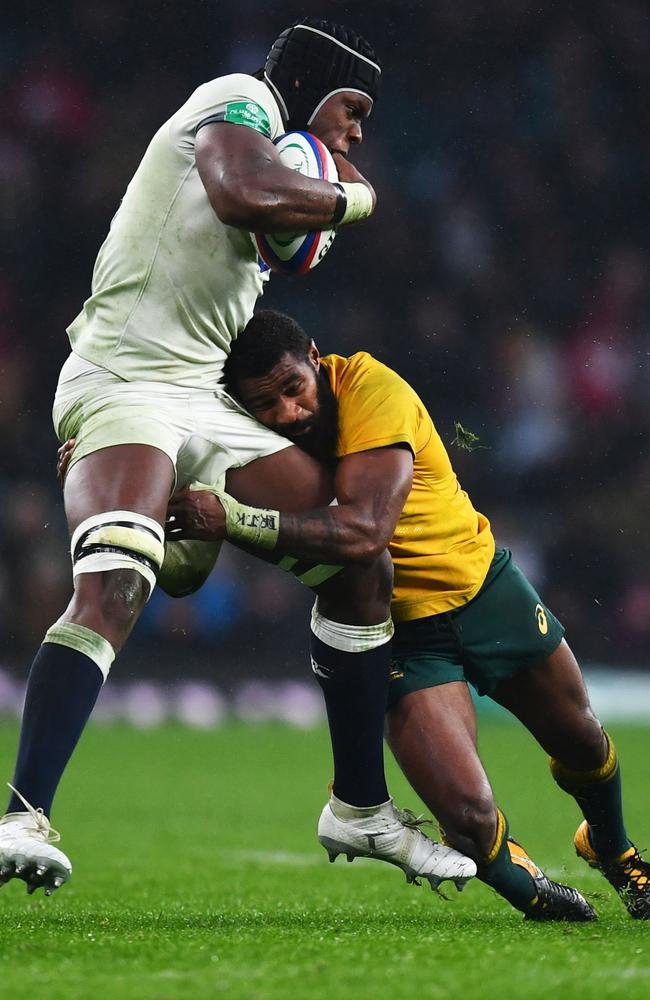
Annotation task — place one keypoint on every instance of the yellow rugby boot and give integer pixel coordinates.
(629, 873)
(553, 901)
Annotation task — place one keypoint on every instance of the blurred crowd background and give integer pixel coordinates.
(505, 275)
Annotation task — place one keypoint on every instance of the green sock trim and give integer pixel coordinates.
(83, 640)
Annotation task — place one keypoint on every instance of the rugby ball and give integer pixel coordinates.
(297, 253)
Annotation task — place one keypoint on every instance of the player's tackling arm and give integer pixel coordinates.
(250, 188)
(371, 487)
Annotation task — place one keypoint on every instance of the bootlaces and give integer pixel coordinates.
(43, 829)
(408, 818)
(634, 868)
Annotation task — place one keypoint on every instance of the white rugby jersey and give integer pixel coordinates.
(172, 285)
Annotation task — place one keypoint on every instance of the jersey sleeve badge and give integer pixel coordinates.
(248, 113)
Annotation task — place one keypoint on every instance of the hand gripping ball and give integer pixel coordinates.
(297, 253)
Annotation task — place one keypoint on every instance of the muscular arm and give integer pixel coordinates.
(371, 487)
(250, 188)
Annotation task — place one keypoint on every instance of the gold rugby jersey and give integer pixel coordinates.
(442, 547)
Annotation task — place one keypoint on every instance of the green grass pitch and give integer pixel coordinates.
(197, 875)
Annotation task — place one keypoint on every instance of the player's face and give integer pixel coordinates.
(294, 400)
(339, 122)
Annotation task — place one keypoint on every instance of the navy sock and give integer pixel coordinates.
(355, 687)
(62, 689)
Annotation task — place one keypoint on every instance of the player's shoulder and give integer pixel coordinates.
(366, 388)
(240, 89)
(237, 98)
(359, 368)
(236, 85)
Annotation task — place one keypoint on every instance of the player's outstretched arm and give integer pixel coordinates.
(371, 488)
(250, 188)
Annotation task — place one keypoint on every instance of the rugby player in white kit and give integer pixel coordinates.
(175, 281)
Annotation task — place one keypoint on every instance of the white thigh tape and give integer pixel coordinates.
(118, 539)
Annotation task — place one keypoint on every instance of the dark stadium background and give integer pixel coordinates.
(505, 274)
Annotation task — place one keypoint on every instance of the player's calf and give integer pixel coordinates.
(469, 821)
(115, 558)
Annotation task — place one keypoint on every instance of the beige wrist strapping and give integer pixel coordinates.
(358, 202)
(255, 526)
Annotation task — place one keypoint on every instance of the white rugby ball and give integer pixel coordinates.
(297, 253)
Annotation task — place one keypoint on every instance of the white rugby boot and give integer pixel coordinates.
(26, 850)
(390, 834)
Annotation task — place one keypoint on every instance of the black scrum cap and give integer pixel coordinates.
(314, 59)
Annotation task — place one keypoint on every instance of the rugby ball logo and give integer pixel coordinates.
(297, 253)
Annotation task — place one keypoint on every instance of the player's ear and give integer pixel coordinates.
(314, 356)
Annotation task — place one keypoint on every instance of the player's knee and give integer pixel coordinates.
(124, 597)
(469, 823)
(127, 549)
(382, 570)
(374, 582)
(358, 593)
(592, 737)
(584, 746)
(108, 603)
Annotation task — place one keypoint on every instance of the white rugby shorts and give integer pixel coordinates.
(204, 432)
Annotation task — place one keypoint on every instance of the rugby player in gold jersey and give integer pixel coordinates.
(463, 611)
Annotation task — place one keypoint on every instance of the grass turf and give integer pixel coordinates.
(197, 874)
